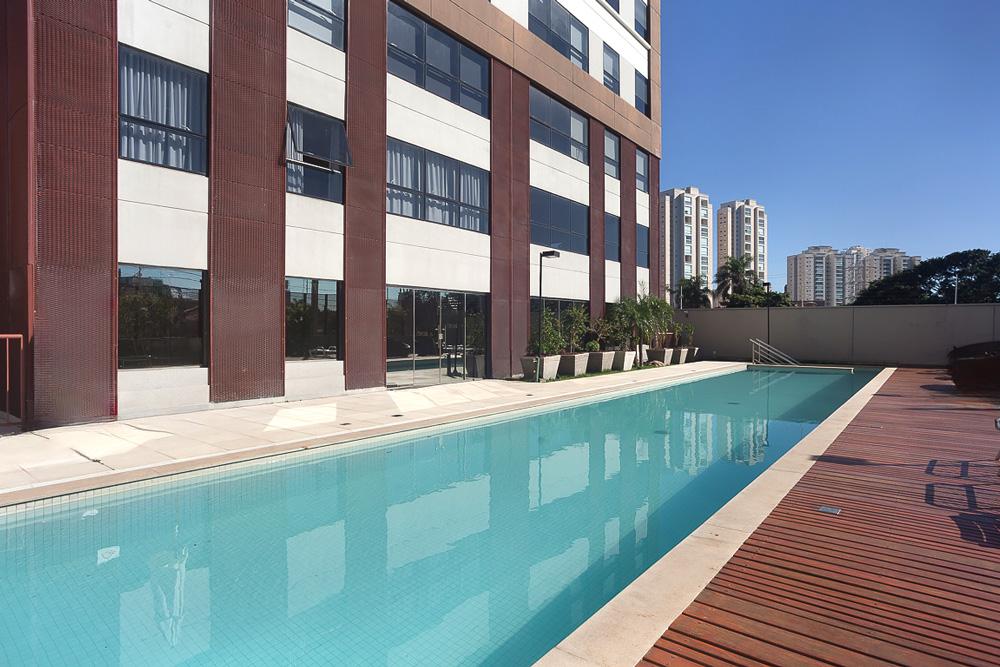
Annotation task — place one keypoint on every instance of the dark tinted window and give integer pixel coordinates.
(612, 70)
(612, 154)
(561, 30)
(642, 170)
(163, 112)
(557, 222)
(312, 319)
(316, 152)
(642, 93)
(642, 246)
(642, 19)
(437, 62)
(612, 237)
(160, 317)
(557, 126)
(322, 19)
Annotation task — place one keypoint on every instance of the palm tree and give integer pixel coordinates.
(734, 277)
(694, 293)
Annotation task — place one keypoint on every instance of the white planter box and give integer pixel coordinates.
(624, 360)
(550, 367)
(599, 362)
(573, 365)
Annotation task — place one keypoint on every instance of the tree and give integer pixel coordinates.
(933, 281)
(755, 296)
(735, 276)
(694, 294)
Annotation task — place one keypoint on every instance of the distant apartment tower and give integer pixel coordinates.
(688, 217)
(742, 229)
(822, 276)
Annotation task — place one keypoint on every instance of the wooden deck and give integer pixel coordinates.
(907, 574)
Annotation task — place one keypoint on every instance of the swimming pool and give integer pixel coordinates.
(482, 544)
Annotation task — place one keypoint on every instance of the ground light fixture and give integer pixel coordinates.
(545, 254)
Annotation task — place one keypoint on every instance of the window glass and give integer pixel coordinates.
(322, 19)
(611, 70)
(163, 112)
(557, 222)
(557, 126)
(612, 149)
(642, 18)
(316, 152)
(642, 246)
(612, 237)
(642, 93)
(437, 62)
(641, 170)
(428, 186)
(160, 317)
(553, 23)
(312, 319)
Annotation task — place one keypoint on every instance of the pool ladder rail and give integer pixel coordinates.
(764, 353)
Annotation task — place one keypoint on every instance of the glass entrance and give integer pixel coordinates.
(434, 337)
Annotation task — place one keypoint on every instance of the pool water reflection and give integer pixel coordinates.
(484, 545)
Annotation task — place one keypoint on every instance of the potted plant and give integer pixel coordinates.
(599, 360)
(692, 354)
(660, 317)
(623, 325)
(547, 349)
(574, 326)
(684, 332)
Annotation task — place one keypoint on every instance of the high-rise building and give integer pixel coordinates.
(822, 276)
(223, 200)
(742, 231)
(690, 249)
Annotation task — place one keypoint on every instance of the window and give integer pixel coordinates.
(561, 30)
(612, 150)
(642, 19)
(427, 186)
(642, 246)
(642, 170)
(559, 223)
(614, 5)
(611, 70)
(316, 151)
(557, 126)
(612, 237)
(322, 19)
(437, 62)
(163, 112)
(160, 317)
(642, 93)
(312, 319)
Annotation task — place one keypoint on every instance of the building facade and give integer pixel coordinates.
(742, 231)
(823, 276)
(690, 245)
(225, 201)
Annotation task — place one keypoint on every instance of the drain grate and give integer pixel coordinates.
(827, 509)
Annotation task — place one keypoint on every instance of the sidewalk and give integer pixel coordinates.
(56, 461)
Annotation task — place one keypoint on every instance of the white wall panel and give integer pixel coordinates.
(559, 174)
(149, 184)
(641, 280)
(612, 281)
(148, 391)
(421, 118)
(567, 277)
(314, 378)
(642, 208)
(316, 75)
(177, 30)
(426, 254)
(612, 195)
(518, 9)
(602, 21)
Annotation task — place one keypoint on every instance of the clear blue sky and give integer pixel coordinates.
(874, 122)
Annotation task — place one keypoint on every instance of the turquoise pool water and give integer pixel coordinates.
(482, 545)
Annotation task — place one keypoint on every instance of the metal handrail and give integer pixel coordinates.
(764, 353)
(8, 340)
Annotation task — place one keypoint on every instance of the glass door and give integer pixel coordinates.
(427, 338)
(399, 337)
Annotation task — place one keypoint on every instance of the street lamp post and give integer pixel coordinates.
(553, 254)
(767, 286)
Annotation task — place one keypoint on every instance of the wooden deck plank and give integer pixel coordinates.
(907, 574)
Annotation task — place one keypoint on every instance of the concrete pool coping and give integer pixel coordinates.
(621, 632)
(528, 397)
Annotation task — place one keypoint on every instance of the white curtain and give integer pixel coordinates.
(403, 168)
(475, 191)
(294, 139)
(155, 98)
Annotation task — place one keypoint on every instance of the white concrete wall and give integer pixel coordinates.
(177, 30)
(518, 9)
(559, 174)
(316, 75)
(421, 118)
(642, 208)
(149, 391)
(315, 378)
(612, 195)
(567, 277)
(162, 216)
(428, 254)
(641, 280)
(314, 238)
(612, 281)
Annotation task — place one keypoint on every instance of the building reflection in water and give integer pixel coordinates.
(482, 545)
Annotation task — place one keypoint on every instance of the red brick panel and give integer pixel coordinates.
(597, 292)
(521, 217)
(364, 211)
(247, 200)
(628, 217)
(501, 223)
(75, 152)
(656, 231)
